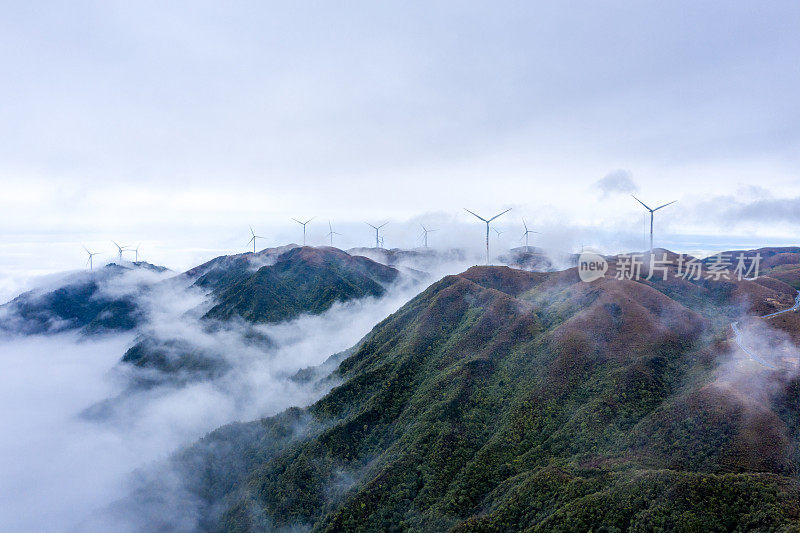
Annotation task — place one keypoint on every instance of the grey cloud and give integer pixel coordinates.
(769, 209)
(735, 210)
(618, 181)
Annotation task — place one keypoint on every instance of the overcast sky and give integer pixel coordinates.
(177, 125)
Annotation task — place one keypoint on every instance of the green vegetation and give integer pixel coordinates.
(302, 280)
(502, 400)
(175, 357)
(80, 303)
(299, 280)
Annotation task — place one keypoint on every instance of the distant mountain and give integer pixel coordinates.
(91, 301)
(177, 358)
(274, 285)
(419, 258)
(223, 271)
(529, 258)
(507, 400)
(301, 280)
(782, 263)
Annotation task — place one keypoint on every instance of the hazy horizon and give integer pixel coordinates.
(177, 126)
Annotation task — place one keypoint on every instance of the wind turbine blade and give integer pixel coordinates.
(503, 213)
(524, 224)
(251, 239)
(382, 225)
(641, 202)
(471, 213)
(251, 231)
(370, 225)
(310, 219)
(296, 220)
(665, 205)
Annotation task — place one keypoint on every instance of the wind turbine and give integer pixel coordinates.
(136, 250)
(253, 238)
(498, 232)
(120, 249)
(331, 233)
(525, 235)
(651, 216)
(91, 254)
(377, 237)
(425, 232)
(487, 227)
(304, 227)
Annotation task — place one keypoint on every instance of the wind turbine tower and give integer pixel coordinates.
(331, 233)
(425, 232)
(91, 254)
(651, 217)
(487, 227)
(378, 240)
(525, 235)
(120, 249)
(253, 238)
(304, 227)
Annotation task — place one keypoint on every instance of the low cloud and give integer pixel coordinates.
(747, 207)
(616, 182)
(734, 210)
(49, 382)
(762, 361)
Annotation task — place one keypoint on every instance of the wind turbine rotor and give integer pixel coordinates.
(644, 204)
(487, 227)
(253, 238)
(652, 211)
(665, 205)
(378, 240)
(503, 213)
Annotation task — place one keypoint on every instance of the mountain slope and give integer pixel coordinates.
(272, 286)
(97, 301)
(527, 258)
(779, 263)
(504, 400)
(302, 280)
(223, 271)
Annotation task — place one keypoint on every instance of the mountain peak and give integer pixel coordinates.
(300, 279)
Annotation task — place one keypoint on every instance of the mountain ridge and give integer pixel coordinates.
(81, 301)
(497, 380)
(302, 279)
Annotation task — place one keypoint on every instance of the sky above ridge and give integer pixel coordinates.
(178, 125)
